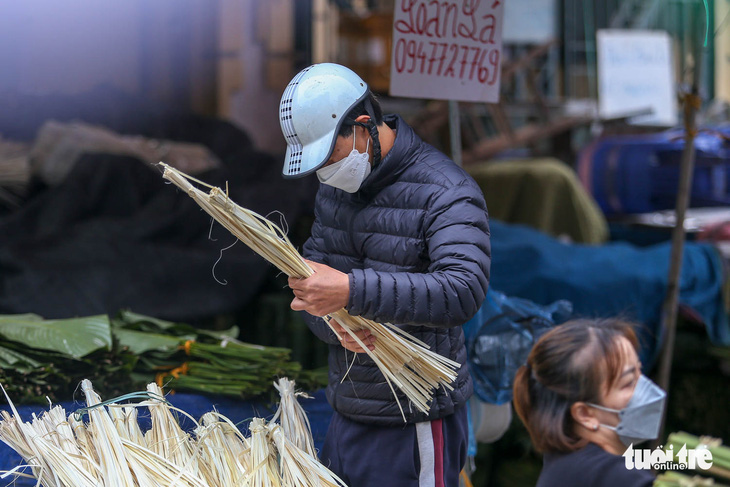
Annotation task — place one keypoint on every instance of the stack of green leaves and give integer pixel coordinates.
(40, 358)
(181, 357)
(49, 358)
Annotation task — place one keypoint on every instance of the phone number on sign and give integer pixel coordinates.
(447, 59)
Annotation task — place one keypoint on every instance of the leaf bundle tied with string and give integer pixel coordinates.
(405, 361)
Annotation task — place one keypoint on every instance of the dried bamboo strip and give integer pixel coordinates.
(292, 418)
(167, 438)
(298, 469)
(265, 471)
(20, 436)
(114, 467)
(222, 451)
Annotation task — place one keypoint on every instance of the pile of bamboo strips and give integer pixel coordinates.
(111, 450)
(405, 361)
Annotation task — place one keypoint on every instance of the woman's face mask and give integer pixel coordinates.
(349, 173)
(641, 418)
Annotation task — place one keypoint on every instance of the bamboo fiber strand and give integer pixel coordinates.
(404, 361)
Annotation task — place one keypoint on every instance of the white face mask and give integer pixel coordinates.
(347, 174)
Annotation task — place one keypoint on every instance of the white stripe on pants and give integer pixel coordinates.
(424, 435)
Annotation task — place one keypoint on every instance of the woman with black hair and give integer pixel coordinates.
(585, 402)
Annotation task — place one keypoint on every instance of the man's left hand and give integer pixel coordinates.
(322, 293)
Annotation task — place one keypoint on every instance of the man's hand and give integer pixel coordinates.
(322, 293)
(349, 343)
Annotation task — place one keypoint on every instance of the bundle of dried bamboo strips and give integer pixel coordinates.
(403, 360)
(292, 417)
(110, 450)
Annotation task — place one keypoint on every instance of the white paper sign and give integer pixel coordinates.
(447, 49)
(529, 21)
(635, 73)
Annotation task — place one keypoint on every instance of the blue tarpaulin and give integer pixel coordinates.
(614, 279)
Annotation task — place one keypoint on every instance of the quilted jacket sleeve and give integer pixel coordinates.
(450, 293)
(312, 251)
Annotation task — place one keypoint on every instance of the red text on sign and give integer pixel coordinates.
(447, 59)
(440, 19)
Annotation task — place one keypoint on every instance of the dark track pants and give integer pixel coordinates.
(429, 454)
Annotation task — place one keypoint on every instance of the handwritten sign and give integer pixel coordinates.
(447, 49)
(634, 74)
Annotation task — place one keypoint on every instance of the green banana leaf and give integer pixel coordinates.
(140, 342)
(21, 317)
(130, 317)
(134, 321)
(76, 337)
(11, 358)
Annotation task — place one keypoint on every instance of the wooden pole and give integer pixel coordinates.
(691, 104)
(455, 132)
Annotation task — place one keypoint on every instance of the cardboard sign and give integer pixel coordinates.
(447, 49)
(635, 73)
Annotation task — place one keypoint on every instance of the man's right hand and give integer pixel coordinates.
(349, 342)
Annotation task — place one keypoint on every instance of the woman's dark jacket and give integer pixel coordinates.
(591, 465)
(415, 242)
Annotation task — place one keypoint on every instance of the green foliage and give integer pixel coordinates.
(42, 359)
(76, 337)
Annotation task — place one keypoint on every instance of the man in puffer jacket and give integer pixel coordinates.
(400, 235)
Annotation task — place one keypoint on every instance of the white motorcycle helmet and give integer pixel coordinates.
(311, 112)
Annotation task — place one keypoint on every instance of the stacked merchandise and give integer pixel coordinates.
(181, 357)
(110, 448)
(48, 358)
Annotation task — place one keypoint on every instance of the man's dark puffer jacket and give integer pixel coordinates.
(415, 242)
